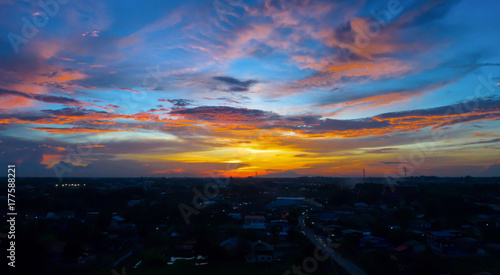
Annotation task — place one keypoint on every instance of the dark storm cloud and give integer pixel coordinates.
(220, 113)
(26, 155)
(479, 105)
(178, 102)
(232, 84)
(345, 125)
(495, 140)
(40, 97)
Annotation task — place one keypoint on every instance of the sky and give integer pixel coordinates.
(238, 87)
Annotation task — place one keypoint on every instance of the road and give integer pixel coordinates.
(320, 242)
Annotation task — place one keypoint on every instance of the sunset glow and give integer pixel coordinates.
(284, 88)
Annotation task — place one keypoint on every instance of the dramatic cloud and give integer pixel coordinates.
(178, 102)
(41, 98)
(296, 87)
(221, 114)
(230, 84)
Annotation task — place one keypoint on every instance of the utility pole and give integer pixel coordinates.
(364, 181)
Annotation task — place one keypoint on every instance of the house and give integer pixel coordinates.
(416, 246)
(234, 246)
(229, 244)
(281, 236)
(176, 235)
(254, 219)
(255, 222)
(332, 228)
(333, 232)
(420, 224)
(261, 252)
(411, 246)
(116, 221)
(443, 241)
(393, 227)
(418, 234)
(326, 216)
(236, 216)
(285, 226)
(351, 232)
(360, 204)
(91, 215)
(184, 248)
(373, 242)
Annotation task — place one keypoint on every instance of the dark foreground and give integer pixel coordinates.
(421, 225)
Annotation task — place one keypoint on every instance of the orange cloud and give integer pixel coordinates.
(76, 130)
(130, 90)
(63, 76)
(94, 146)
(372, 101)
(333, 74)
(171, 171)
(50, 159)
(64, 58)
